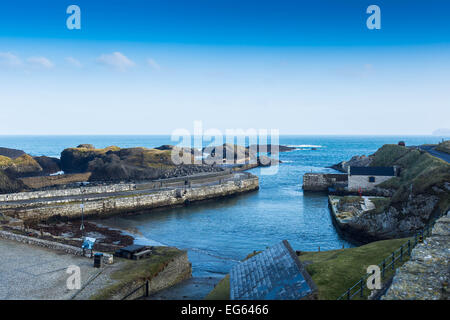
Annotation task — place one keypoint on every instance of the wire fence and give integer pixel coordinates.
(360, 291)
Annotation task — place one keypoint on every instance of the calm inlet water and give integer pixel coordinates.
(219, 233)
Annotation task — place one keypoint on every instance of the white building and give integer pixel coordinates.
(366, 178)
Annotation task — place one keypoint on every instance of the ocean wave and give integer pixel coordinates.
(304, 146)
(142, 240)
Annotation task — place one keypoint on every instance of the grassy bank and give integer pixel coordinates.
(419, 170)
(444, 146)
(336, 270)
(135, 272)
(332, 271)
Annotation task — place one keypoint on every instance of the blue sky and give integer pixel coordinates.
(149, 67)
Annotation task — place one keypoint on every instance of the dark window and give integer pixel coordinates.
(371, 179)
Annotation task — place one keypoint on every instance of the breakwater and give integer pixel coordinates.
(125, 198)
(323, 181)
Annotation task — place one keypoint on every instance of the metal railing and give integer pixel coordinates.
(145, 288)
(387, 267)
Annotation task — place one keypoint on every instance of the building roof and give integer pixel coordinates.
(372, 171)
(274, 274)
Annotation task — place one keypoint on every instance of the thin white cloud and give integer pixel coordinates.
(116, 60)
(152, 63)
(40, 62)
(10, 60)
(74, 62)
(363, 71)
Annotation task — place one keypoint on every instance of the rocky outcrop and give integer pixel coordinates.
(10, 184)
(389, 222)
(76, 160)
(416, 195)
(247, 157)
(11, 153)
(271, 148)
(355, 161)
(21, 166)
(49, 165)
(228, 151)
(170, 147)
(86, 146)
(129, 164)
(425, 276)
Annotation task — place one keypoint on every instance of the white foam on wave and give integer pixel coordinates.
(142, 240)
(305, 146)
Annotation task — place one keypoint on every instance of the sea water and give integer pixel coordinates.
(218, 234)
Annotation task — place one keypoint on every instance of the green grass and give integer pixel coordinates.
(444, 146)
(97, 151)
(419, 169)
(5, 161)
(333, 271)
(387, 155)
(24, 160)
(381, 204)
(135, 272)
(350, 199)
(221, 290)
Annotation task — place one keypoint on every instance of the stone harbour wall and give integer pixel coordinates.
(120, 187)
(322, 181)
(41, 243)
(425, 276)
(175, 271)
(133, 202)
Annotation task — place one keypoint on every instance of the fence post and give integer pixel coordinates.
(361, 293)
(409, 247)
(393, 261)
(146, 288)
(401, 253)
